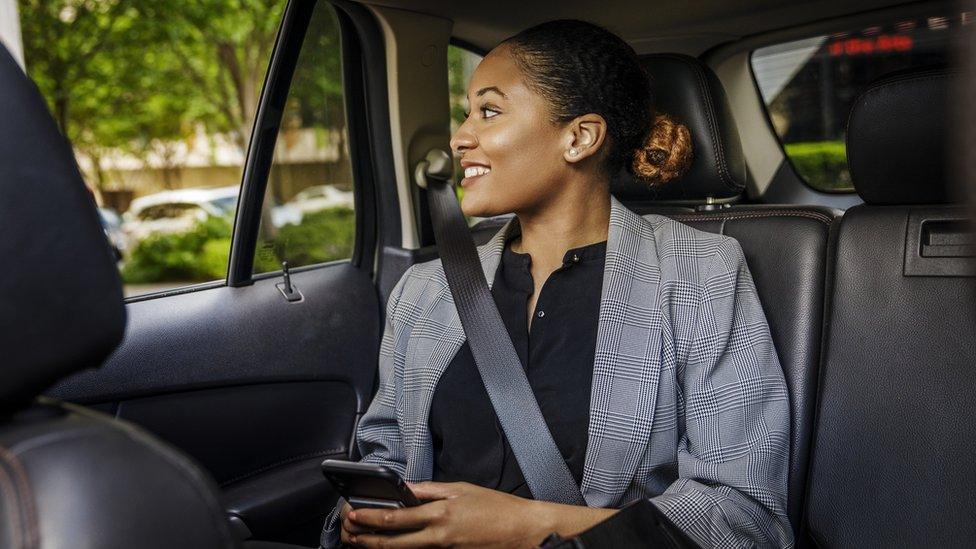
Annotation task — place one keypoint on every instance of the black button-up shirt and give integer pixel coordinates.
(468, 441)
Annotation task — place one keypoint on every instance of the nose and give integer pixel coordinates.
(464, 138)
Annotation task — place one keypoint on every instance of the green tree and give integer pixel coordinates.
(138, 77)
(222, 48)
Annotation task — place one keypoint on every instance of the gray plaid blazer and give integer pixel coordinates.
(689, 405)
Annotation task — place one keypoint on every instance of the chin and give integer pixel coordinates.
(473, 207)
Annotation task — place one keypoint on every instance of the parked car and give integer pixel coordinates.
(112, 225)
(310, 200)
(320, 197)
(177, 211)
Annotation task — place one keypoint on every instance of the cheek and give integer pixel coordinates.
(525, 161)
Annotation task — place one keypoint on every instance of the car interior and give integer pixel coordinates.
(199, 416)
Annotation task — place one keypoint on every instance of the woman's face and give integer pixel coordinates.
(511, 153)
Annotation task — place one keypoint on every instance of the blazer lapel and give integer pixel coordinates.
(627, 362)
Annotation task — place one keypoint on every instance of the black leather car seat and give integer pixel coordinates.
(70, 477)
(892, 462)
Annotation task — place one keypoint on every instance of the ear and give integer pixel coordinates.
(585, 135)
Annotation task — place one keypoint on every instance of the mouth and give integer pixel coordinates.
(473, 173)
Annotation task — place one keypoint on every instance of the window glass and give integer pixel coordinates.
(461, 63)
(809, 86)
(158, 98)
(308, 215)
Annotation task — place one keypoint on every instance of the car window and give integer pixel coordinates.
(808, 86)
(308, 212)
(158, 100)
(226, 205)
(461, 64)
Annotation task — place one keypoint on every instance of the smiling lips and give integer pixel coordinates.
(472, 172)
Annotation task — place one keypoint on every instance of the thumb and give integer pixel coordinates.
(429, 490)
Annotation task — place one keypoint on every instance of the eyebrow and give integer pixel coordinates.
(483, 91)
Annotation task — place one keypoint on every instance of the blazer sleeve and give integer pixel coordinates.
(734, 416)
(378, 434)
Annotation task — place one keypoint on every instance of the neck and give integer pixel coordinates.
(577, 217)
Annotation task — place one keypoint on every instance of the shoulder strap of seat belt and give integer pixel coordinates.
(543, 466)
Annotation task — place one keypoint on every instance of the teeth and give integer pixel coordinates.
(475, 170)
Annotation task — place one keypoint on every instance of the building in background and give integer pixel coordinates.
(10, 30)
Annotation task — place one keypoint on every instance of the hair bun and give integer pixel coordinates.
(666, 152)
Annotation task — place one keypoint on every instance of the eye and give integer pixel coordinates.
(489, 111)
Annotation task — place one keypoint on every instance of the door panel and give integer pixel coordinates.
(260, 426)
(258, 389)
(251, 334)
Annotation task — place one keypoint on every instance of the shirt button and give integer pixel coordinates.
(575, 258)
(540, 314)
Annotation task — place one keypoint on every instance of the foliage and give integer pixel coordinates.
(325, 235)
(823, 164)
(102, 85)
(138, 76)
(221, 48)
(457, 84)
(200, 254)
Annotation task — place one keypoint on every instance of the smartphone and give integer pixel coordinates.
(368, 485)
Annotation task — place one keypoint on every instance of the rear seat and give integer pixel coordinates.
(785, 246)
(892, 461)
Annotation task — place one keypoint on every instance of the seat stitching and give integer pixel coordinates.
(25, 502)
(195, 478)
(710, 116)
(755, 215)
(10, 491)
(28, 501)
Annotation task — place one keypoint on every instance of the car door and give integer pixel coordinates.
(262, 375)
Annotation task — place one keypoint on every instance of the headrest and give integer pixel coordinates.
(897, 138)
(61, 307)
(688, 90)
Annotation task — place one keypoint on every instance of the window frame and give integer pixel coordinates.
(788, 162)
(260, 156)
(747, 46)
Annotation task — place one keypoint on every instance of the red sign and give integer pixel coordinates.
(884, 43)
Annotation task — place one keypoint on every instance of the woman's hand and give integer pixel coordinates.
(346, 528)
(456, 513)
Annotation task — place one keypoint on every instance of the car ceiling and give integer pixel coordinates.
(684, 26)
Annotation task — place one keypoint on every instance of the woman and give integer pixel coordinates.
(649, 353)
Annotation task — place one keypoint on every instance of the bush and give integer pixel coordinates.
(823, 164)
(322, 236)
(202, 253)
(199, 254)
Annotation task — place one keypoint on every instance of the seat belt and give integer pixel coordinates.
(543, 467)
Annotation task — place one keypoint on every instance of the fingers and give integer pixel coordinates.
(408, 518)
(354, 528)
(422, 538)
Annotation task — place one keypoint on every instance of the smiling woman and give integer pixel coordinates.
(643, 340)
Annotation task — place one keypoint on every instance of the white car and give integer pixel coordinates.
(310, 200)
(320, 197)
(177, 211)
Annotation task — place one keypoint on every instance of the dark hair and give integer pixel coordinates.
(583, 68)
